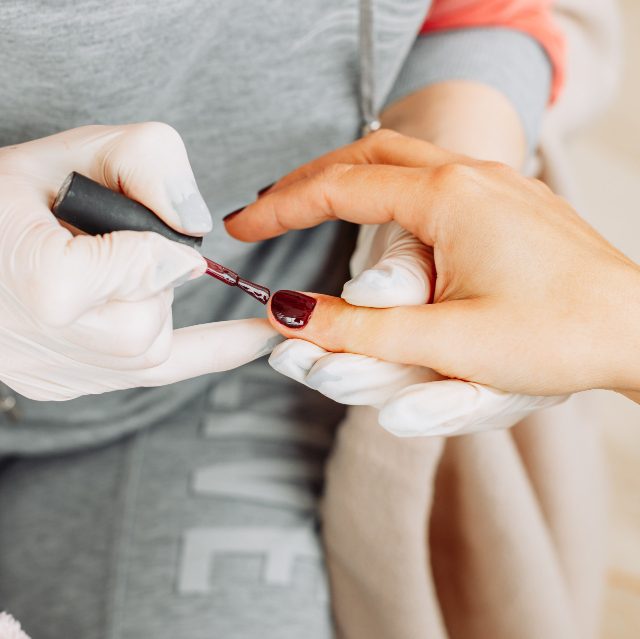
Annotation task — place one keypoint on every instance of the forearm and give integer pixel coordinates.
(477, 91)
(464, 117)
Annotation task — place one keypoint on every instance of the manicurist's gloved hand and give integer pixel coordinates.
(82, 315)
(393, 268)
(524, 288)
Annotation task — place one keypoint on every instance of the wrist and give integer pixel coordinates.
(619, 352)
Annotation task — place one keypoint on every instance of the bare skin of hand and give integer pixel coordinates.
(463, 117)
(527, 296)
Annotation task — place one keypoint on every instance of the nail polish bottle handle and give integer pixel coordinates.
(94, 209)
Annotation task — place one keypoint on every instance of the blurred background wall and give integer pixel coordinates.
(606, 158)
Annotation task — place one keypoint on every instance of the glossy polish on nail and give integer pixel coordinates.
(292, 309)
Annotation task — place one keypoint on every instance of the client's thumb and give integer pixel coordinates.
(420, 335)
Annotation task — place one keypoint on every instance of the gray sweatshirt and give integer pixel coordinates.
(255, 89)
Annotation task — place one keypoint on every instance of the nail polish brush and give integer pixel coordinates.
(89, 207)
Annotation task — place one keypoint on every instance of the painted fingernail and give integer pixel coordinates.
(263, 190)
(292, 309)
(231, 215)
(194, 213)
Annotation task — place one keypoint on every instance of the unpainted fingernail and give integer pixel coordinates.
(292, 309)
(194, 213)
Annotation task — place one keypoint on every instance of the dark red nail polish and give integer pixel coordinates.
(258, 292)
(292, 309)
(263, 190)
(231, 215)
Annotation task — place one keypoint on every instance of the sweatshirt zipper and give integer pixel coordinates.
(366, 53)
(8, 403)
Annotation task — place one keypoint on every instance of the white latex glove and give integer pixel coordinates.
(10, 628)
(82, 315)
(393, 268)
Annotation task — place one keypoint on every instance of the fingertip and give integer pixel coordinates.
(291, 309)
(199, 270)
(238, 225)
(174, 263)
(327, 321)
(229, 216)
(193, 213)
(309, 316)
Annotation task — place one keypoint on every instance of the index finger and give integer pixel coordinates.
(382, 147)
(364, 194)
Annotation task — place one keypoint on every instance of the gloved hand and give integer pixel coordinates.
(82, 315)
(393, 268)
(10, 628)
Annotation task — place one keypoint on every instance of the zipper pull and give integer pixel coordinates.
(370, 126)
(9, 404)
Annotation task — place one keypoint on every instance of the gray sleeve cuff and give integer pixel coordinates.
(508, 60)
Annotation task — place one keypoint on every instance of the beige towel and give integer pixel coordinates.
(491, 536)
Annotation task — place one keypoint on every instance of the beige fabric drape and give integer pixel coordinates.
(490, 536)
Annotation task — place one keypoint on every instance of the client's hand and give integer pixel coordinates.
(524, 287)
(393, 268)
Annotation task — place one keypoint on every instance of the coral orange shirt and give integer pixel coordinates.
(532, 17)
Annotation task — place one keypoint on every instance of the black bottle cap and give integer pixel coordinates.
(94, 209)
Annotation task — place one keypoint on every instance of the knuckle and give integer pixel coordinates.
(453, 174)
(327, 185)
(334, 172)
(496, 167)
(382, 137)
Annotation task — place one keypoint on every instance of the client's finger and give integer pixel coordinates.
(382, 147)
(362, 194)
(429, 335)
